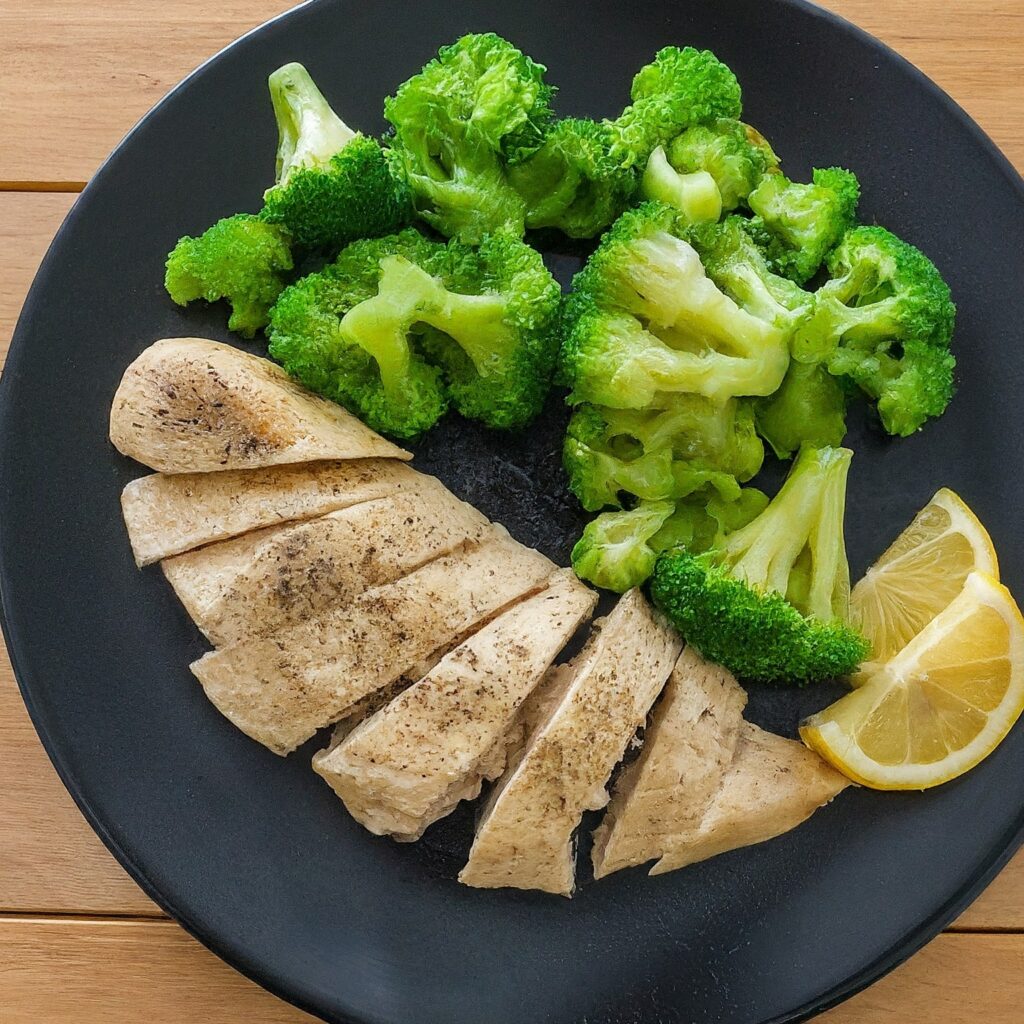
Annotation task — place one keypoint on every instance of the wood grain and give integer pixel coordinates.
(125, 972)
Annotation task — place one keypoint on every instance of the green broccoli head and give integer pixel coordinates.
(479, 106)
(614, 551)
(770, 600)
(495, 330)
(679, 88)
(885, 321)
(737, 265)
(240, 259)
(618, 550)
(735, 155)
(809, 408)
(346, 333)
(670, 451)
(572, 182)
(798, 224)
(645, 319)
(332, 185)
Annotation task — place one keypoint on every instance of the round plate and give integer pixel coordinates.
(254, 854)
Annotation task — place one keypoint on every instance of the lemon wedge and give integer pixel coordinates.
(922, 571)
(940, 706)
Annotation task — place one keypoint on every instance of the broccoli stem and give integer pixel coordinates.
(309, 131)
(806, 515)
(695, 195)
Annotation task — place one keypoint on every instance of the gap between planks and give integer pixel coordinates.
(42, 186)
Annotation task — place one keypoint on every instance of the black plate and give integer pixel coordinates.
(253, 854)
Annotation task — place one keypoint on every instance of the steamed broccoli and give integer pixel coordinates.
(667, 452)
(617, 550)
(334, 185)
(809, 408)
(735, 155)
(695, 194)
(572, 182)
(885, 321)
(397, 325)
(798, 224)
(679, 88)
(769, 601)
(737, 265)
(479, 106)
(644, 319)
(614, 551)
(377, 373)
(240, 259)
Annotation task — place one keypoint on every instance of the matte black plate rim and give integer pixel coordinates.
(902, 950)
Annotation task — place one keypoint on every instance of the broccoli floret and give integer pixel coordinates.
(735, 156)
(333, 185)
(240, 259)
(695, 195)
(798, 224)
(646, 319)
(679, 88)
(368, 330)
(614, 552)
(572, 182)
(734, 262)
(885, 321)
(667, 452)
(345, 332)
(809, 408)
(617, 550)
(479, 106)
(495, 320)
(770, 600)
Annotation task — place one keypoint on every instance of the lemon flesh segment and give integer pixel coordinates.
(920, 573)
(938, 708)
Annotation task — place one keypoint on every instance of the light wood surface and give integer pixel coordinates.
(73, 79)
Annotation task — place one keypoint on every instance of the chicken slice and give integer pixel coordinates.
(772, 785)
(188, 405)
(688, 747)
(280, 689)
(586, 714)
(280, 576)
(433, 745)
(170, 514)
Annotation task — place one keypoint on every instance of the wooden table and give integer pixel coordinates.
(78, 940)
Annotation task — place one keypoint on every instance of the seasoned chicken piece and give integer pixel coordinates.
(188, 405)
(277, 577)
(661, 797)
(282, 688)
(772, 785)
(588, 712)
(434, 744)
(167, 515)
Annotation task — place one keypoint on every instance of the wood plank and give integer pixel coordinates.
(83, 73)
(123, 972)
(957, 979)
(1001, 906)
(28, 221)
(78, 74)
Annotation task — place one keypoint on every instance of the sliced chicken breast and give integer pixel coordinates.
(586, 714)
(661, 798)
(188, 405)
(772, 785)
(169, 514)
(282, 688)
(433, 745)
(280, 576)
